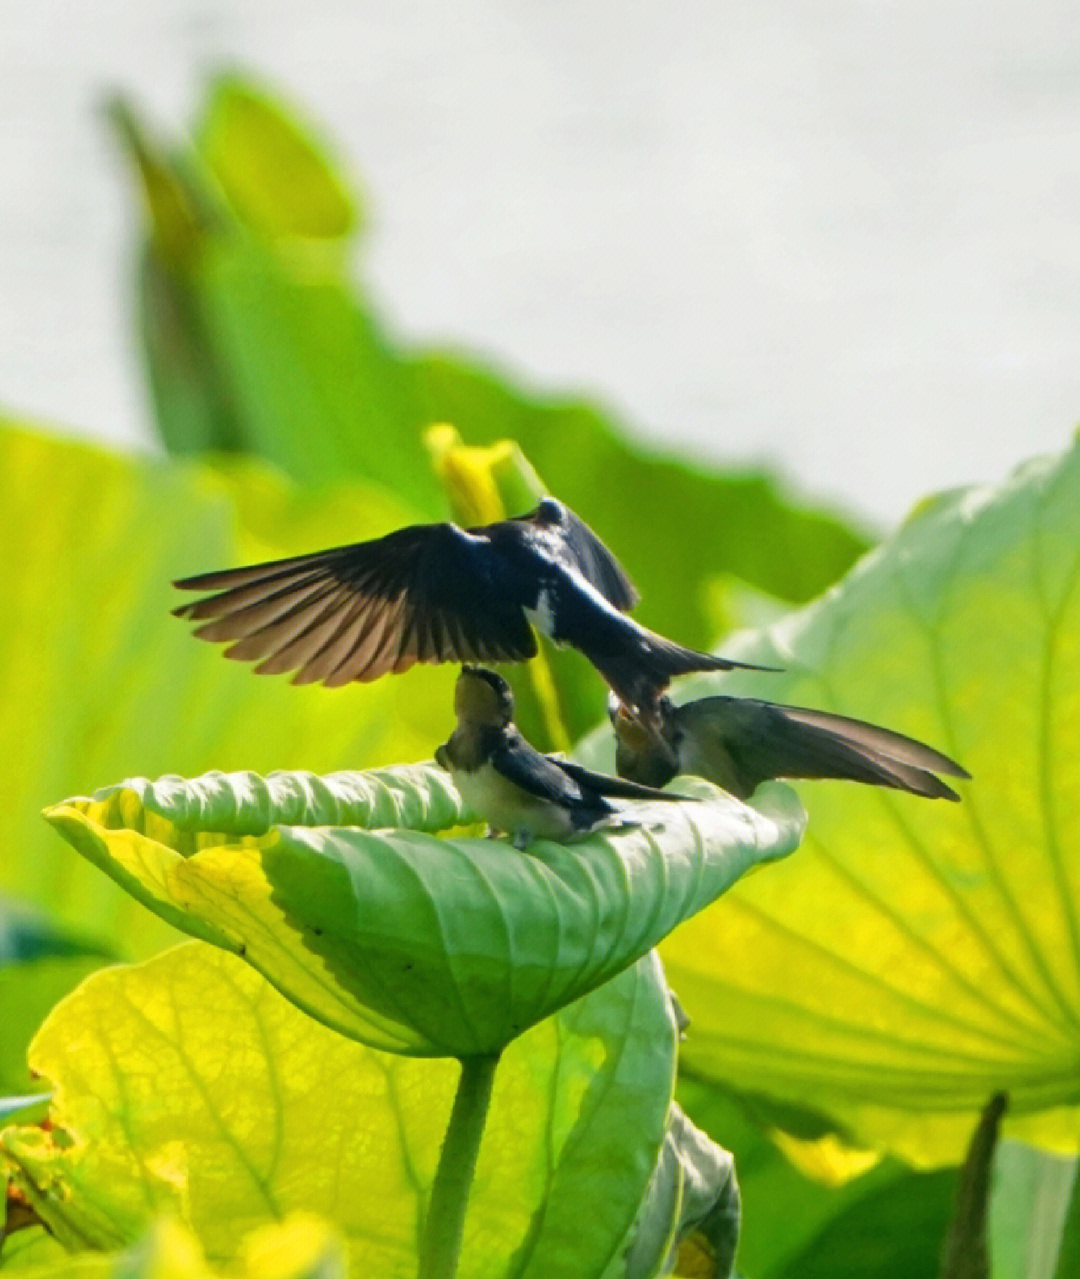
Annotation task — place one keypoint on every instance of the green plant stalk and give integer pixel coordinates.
(440, 1248)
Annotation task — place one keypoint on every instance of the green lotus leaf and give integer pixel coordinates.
(100, 682)
(920, 956)
(837, 1219)
(33, 1251)
(342, 893)
(269, 168)
(689, 1221)
(39, 963)
(303, 1246)
(187, 1086)
(1034, 1230)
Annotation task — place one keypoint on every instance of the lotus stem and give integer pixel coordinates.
(440, 1248)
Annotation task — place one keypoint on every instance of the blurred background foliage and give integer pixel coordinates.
(290, 419)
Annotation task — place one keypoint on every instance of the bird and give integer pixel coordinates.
(739, 742)
(513, 786)
(441, 593)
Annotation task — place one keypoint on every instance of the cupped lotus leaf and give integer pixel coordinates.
(921, 956)
(100, 682)
(187, 1086)
(395, 936)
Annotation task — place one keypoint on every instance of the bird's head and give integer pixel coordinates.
(645, 749)
(483, 698)
(550, 511)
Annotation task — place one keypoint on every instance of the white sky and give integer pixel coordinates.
(839, 238)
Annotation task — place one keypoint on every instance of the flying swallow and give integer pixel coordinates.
(440, 593)
(510, 784)
(739, 742)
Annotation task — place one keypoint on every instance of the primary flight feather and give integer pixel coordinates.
(440, 593)
(739, 742)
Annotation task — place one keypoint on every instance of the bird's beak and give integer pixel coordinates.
(635, 732)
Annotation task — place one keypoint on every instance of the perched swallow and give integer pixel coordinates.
(739, 742)
(440, 593)
(511, 784)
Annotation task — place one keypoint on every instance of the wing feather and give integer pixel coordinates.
(761, 740)
(539, 775)
(616, 787)
(256, 637)
(422, 593)
(882, 741)
(351, 618)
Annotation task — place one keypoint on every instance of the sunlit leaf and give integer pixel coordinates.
(689, 1221)
(341, 892)
(921, 956)
(187, 1086)
(39, 963)
(100, 682)
(1069, 1252)
(303, 1246)
(883, 1223)
(1033, 1192)
(269, 168)
(32, 1251)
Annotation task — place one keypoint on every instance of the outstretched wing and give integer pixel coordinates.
(575, 544)
(420, 594)
(761, 741)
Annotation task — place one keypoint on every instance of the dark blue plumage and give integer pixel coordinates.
(439, 593)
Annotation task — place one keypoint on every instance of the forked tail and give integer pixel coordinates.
(639, 673)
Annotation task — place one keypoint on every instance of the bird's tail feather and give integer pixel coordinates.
(639, 674)
(669, 659)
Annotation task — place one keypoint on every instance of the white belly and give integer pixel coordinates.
(508, 808)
